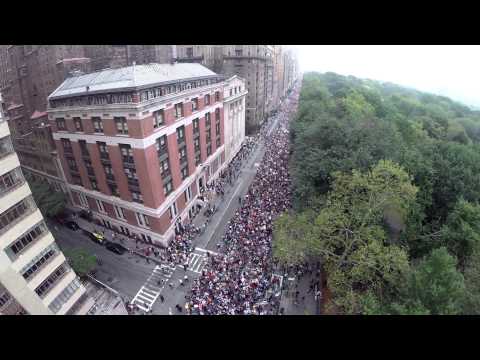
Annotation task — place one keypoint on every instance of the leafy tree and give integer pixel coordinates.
(437, 284)
(471, 303)
(81, 261)
(461, 233)
(49, 201)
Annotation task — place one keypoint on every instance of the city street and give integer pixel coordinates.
(124, 273)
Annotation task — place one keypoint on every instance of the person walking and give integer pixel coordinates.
(162, 299)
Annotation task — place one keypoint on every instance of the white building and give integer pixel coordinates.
(235, 92)
(35, 277)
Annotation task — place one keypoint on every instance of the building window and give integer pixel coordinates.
(94, 184)
(164, 168)
(49, 283)
(180, 134)
(122, 126)
(207, 119)
(196, 144)
(12, 215)
(187, 194)
(182, 154)
(194, 104)
(168, 188)
(161, 144)
(238, 52)
(102, 147)
(100, 206)
(39, 261)
(231, 92)
(142, 220)
(137, 197)
(114, 189)
(26, 240)
(207, 99)
(173, 212)
(119, 212)
(67, 146)
(64, 296)
(10, 180)
(184, 172)
(83, 147)
(196, 127)
(158, 118)
(217, 114)
(217, 128)
(217, 95)
(197, 159)
(78, 124)
(189, 52)
(6, 146)
(61, 124)
(179, 110)
(97, 125)
(127, 153)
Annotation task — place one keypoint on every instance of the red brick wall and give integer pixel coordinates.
(80, 164)
(98, 168)
(190, 148)
(148, 171)
(174, 160)
(160, 225)
(203, 140)
(118, 172)
(109, 127)
(87, 125)
(63, 160)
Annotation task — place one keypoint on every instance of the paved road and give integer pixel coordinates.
(125, 273)
(175, 294)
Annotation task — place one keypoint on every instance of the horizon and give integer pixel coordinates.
(445, 70)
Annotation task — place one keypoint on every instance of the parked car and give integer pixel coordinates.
(98, 238)
(72, 225)
(116, 248)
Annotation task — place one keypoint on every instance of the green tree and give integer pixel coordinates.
(49, 201)
(81, 261)
(461, 233)
(437, 284)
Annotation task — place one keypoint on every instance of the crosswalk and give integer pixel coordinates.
(150, 291)
(198, 259)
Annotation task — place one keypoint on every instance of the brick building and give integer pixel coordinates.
(137, 143)
(201, 54)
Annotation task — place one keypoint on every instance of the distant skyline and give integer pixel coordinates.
(448, 70)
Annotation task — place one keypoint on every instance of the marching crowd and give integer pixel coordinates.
(240, 279)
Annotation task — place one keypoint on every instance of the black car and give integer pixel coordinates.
(116, 248)
(72, 225)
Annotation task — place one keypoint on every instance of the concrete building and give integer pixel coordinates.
(35, 277)
(248, 62)
(235, 92)
(137, 143)
(201, 54)
(33, 72)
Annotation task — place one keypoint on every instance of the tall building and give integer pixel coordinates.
(116, 56)
(33, 72)
(202, 54)
(137, 143)
(35, 277)
(235, 92)
(249, 62)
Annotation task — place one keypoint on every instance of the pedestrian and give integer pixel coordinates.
(170, 285)
(162, 299)
(185, 278)
(181, 282)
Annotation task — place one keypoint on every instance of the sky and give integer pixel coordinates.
(449, 70)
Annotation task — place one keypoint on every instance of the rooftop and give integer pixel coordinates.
(130, 78)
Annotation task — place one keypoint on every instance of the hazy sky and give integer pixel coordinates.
(453, 71)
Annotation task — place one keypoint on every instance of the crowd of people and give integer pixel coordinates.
(240, 280)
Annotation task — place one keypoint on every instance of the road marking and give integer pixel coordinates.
(147, 295)
(204, 250)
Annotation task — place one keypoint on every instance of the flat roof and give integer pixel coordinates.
(130, 78)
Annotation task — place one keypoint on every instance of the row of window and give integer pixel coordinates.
(44, 288)
(10, 180)
(119, 98)
(237, 89)
(64, 296)
(13, 214)
(176, 88)
(120, 123)
(39, 261)
(26, 240)
(6, 146)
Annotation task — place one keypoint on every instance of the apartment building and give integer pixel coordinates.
(137, 143)
(35, 277)
(248, 62)
(235, 92)
(201, 54)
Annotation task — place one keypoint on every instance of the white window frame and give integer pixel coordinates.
(119, 212)
(100, 206)
(142, 220)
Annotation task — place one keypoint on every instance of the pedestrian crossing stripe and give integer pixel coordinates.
(148, 293)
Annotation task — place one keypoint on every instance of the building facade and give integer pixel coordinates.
(137, 143)
(235, 92)
(35, 277)
(202, 54)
